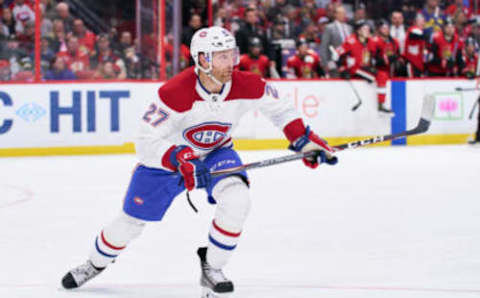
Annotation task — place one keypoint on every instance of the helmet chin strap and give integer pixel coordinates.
(210, 75)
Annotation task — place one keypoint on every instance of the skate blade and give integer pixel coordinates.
(208, 293)
(386, 115)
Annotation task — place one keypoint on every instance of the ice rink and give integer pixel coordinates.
(385, 222)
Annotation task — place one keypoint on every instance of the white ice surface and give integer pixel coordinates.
(384, 222)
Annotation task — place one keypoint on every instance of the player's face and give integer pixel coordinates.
(364, 31)
(222, 64)
(384, 30)
(255, 51)
(470, 49)
(302, 49)
(449, 30)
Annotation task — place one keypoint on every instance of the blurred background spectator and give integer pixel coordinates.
(59, 71)
(194, 25)
(397, 29)
(105, 40)
(334, 35)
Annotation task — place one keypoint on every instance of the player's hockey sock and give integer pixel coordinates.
(233, 205)
(113, 239)
(381, 98)
(104, 252)
(221, 245)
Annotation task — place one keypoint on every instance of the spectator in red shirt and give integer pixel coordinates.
(415, 48)
(255, 61)
(457, 6)
(386, 52)
(105, 53)
(445, 52)
(354, 55)
(462, 26)
(75, 59)
(86, 38)
(470, 59)
(305, 63)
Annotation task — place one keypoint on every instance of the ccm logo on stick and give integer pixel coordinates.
(365, 142)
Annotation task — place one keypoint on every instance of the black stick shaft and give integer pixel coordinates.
(470, 116)
(421, 127)
(357, 95)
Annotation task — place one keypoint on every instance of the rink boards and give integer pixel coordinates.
(84, 118)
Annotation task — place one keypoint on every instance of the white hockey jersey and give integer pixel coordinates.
(187, 114)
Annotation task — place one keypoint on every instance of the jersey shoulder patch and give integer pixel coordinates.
(246, 85)
(179, 92)
(351, 40)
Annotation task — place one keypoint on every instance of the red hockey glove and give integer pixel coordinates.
(311, 142)
(195, 173)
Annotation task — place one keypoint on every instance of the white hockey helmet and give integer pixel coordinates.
(209, 40)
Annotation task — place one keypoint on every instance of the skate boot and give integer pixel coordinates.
(383, 111)
(214, 283)
(474, 142)
(80, 275)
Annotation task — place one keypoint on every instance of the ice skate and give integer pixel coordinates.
(384, 112)
(80, 275)
(214, 283)
(474, 142)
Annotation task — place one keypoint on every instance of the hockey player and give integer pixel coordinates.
(305, 64)
(476, 139)
(415, 48)
(355, 57)
(470, 59)
(185, 134)
(445, 52)
(255, 61)
(385, 51)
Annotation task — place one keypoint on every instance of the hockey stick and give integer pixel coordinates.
(422, 126)
(359, 99)
(470, 116)
(466, 89)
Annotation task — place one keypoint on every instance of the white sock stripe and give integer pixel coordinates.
(382, 90)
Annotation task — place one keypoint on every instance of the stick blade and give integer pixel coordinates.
(428, 107)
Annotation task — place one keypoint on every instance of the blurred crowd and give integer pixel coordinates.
(329, 39)
(277, 39)
(68, 49)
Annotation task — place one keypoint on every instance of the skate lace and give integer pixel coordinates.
(84, 272)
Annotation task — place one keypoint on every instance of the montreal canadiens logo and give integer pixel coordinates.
(207, 135)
